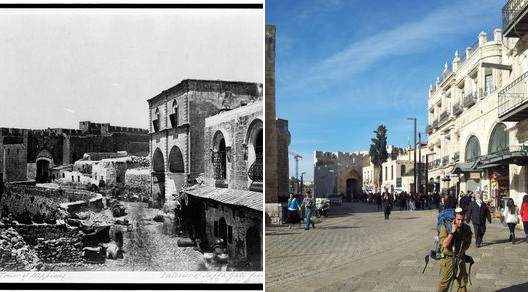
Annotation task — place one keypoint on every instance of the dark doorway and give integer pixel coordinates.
(254, 248)
(222, 229)
(351, 186)
(42, 171)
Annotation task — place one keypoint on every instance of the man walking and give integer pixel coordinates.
(308, 204)
(454, 245)
(478, 212)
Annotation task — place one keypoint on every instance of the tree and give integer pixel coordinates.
(378, 152)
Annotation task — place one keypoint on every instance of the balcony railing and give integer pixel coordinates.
(469, 100)
(444, 115)
(435, 124)
(456, 157)
(457, 109)
(256, 169)
(445, 160)
(510, 11)
(513, 95)
(429, 129)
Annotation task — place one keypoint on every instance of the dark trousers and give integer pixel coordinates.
(479, 230)
(511, 226)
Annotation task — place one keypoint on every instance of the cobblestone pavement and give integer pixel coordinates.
(146, 247)
(355, 249)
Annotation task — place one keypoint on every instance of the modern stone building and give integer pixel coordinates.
(227, 203)
(277, 139)
(465, 129)
(177, 124)
(28, 154)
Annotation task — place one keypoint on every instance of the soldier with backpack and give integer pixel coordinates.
(455, 240)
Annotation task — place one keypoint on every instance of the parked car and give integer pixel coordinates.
(335, 199)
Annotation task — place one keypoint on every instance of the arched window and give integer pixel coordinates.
(176, 163)
(219, 156)
(156, 121)
(472, 149)
(499, 139)
(174, 116)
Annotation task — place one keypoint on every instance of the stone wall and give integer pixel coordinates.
(18, 199)
(14, 168)
(240, 219)
(137, 181)
(271, 188)
(53, 243)
(283, 166)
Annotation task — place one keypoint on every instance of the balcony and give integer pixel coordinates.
(512, 100)
(429, 129)
(435, 124)
(515, 19)
(470, 100)
(457, 109)
(444, 116)
(255, 174)
(445, 160)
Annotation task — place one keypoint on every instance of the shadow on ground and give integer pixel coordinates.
(520, 287)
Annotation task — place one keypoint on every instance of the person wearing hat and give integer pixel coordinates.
(454, 244)
(309, 205)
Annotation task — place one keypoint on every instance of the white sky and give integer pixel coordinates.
(59, 67)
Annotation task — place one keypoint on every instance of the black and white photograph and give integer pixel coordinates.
(131, 144)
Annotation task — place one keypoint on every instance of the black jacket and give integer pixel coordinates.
(478, 215)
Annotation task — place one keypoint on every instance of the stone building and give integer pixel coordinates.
(465, 129)
(227, 203)
(38, 151)
(339, 172)
(177, 123)
(277, 139)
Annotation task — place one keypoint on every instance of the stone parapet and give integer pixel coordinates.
(273, 213)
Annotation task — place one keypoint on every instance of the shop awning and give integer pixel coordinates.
(519, 157)
(463, 167)
(249, 199)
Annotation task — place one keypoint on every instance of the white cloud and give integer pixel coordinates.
(68, 110)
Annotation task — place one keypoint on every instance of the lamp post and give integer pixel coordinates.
(420, 162)
(414, 136)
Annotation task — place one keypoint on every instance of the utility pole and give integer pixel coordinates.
(415, 170)
(296, 157)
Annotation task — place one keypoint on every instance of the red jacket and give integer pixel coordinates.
(524, 212)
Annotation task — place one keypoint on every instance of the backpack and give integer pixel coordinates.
(445, 217)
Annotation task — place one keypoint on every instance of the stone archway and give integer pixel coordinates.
(254, 248)
(44, 161)
(352, 182)
(158, 178)
(254, 155)
(176, 172)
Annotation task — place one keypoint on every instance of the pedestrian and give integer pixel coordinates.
(441, 205)
(524, 215)
(308, 204)
(293, 211)
(378, 201)
(451, 202)
(511, 217)
(478, 213)
(459, 239)
(387, 211)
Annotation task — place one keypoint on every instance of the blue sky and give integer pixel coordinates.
(345, 67)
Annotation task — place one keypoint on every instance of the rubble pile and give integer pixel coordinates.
(15, 254)
(62, 250)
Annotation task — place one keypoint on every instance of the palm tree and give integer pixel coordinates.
(378, 153)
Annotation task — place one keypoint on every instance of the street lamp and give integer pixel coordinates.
(414, 136)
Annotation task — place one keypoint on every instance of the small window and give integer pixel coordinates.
(230, 234)
(17, 151)
(78, 178)
(233, 213)
(73, 179)
(63, 175)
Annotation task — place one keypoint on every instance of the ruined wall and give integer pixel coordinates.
(137, 181)
(18, 199)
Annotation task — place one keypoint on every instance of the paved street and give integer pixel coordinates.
(355, 249)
